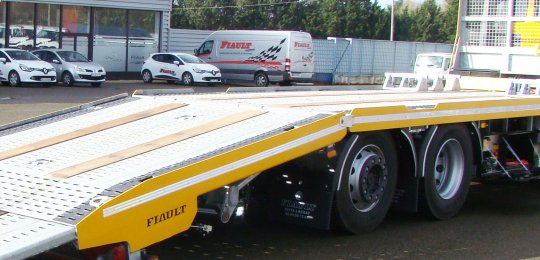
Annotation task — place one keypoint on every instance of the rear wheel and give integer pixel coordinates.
(147, 76)
(368, 170)
(14, 79)
(67, 79)
(447, 162)
(261, 80)
(187, 79)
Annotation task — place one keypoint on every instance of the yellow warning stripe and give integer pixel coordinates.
(391, 117)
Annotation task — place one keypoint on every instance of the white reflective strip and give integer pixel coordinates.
(444, 113)
(218, 171)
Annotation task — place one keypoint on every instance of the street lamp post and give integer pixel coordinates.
(392, 22)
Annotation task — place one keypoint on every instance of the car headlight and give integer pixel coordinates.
(79, 69)
(198, 70)
(25, 68)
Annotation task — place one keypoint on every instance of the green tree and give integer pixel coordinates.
(357, 19)
(449, 20)
(427, 23)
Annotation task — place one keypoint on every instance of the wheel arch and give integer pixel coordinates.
(260, 70)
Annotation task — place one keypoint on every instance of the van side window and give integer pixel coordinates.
(206, 48)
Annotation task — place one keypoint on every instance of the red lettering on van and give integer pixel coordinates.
(235, 45)
(301, 45)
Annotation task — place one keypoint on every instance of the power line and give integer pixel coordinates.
(242, 6)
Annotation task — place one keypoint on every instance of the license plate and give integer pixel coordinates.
(95, 74)
(45, 79)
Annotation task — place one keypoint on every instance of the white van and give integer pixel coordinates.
(432, 63)
(281, 57)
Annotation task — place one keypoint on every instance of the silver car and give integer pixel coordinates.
(72, 67)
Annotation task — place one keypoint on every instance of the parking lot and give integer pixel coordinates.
(497, 222)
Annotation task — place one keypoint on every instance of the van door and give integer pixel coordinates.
(301, 57)
(205, 51)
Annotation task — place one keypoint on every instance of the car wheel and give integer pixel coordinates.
(187, 79)
(95, 84)
(147, 76)
(14, 79)
(67, 79)
(261, 80)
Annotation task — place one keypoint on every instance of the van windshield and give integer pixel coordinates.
(190, 59)
(430, 61)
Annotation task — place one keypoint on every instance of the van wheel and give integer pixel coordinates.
(261, 80)
(14, 79)
(367, 168)
(147, 76)
(187, 79)
(286, 83)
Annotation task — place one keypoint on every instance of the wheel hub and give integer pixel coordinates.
(373, 178)
(368, 178)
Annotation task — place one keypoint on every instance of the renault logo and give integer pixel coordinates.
(45, 71)
(214, 72)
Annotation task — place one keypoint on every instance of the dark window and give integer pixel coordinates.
(206, 48)
(3, 55)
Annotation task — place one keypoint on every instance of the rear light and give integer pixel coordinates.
(120, 252)
(287, 65)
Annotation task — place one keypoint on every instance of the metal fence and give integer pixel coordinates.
(339, 60)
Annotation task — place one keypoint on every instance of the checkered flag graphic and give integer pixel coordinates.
(269, 54)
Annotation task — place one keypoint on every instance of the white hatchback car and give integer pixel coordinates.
(179, 67)
(18, 66)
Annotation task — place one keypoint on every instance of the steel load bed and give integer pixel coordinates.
(130, 169)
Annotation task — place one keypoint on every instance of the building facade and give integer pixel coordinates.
(118, 34)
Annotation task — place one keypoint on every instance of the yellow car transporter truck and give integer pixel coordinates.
(137, 170)
(117, 175)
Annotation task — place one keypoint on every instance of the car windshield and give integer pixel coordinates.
(190, 59)
(72, 56)
(21, 55)
(430, 61)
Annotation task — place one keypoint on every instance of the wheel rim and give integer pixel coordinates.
(67, 79)
(261, 81)
(187, 79)
(13, 79)
(449, 167)
(146, 76)
(368, 178)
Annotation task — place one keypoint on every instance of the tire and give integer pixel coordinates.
(147, 76)
(261, 80)
(67, 79)
(286, 83)
(368, 175)
(14, 79)
(447, 162)
(96, 84)
(187, 79)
